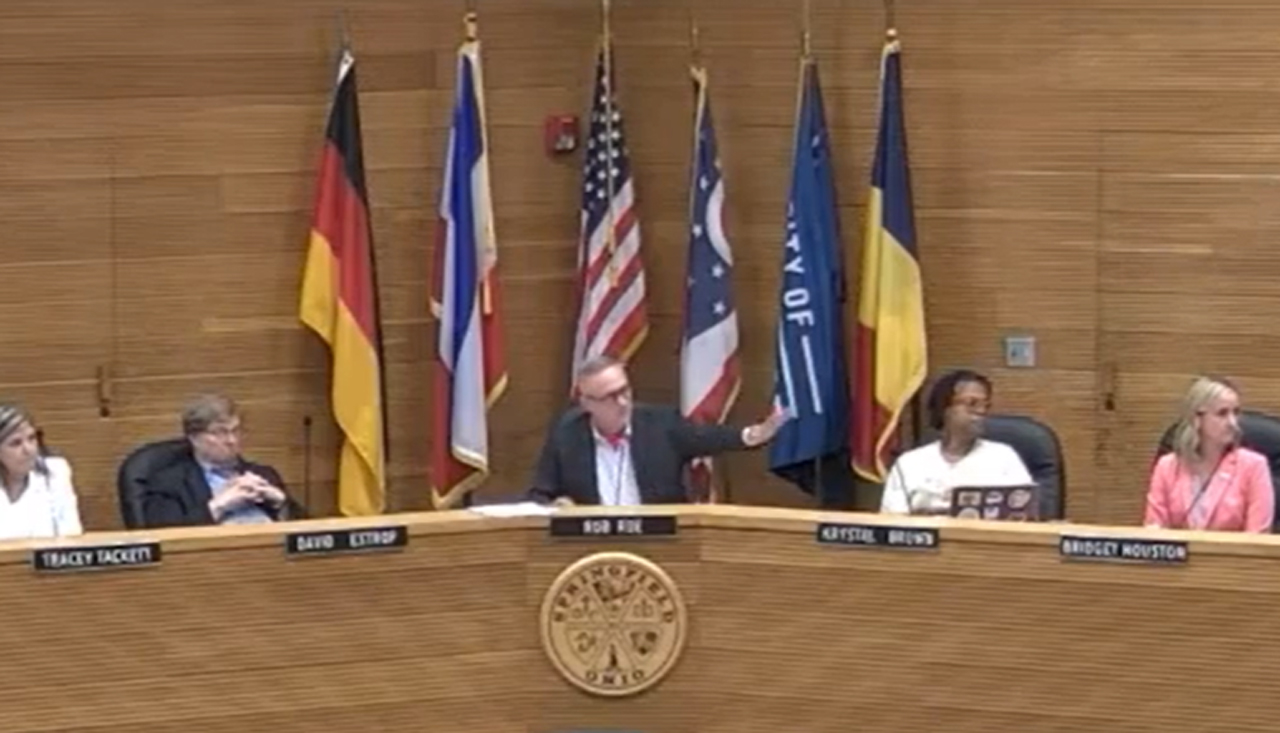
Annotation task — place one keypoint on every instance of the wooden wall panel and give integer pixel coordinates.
(1100, 177)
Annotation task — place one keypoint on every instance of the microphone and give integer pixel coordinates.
(306, 462)
(725, 485)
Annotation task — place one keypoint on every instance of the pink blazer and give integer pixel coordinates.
(1239, 496)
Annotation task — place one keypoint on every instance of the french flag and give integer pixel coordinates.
(470, 370)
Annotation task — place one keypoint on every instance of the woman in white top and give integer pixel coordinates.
(921, 480)
(38, 499)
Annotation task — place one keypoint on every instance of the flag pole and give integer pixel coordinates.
(806, 54)
(344, 34)
(916, 413)
(806, 44)
(471, 36)
(695, 46)
(610, 236)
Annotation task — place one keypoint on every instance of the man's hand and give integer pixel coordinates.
(264, 492)
(563, 501)
(763, 432)
(238, 492)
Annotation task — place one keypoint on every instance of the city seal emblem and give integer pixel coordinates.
(613, 624)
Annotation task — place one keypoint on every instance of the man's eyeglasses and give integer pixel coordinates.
(614, 396)
(223, 432)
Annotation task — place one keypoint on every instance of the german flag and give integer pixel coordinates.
(340, 302)
(890, 354)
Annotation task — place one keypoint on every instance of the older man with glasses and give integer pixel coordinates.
(214, 484)
(612, 451)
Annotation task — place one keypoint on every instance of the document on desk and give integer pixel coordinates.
(521, 509)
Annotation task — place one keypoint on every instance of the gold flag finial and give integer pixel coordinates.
(471, 26)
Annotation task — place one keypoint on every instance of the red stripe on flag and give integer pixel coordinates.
(712, 407)
(626, 279)
(625, 222)
(341, 218)
(870, 418)
(495, 358)
(632, 327)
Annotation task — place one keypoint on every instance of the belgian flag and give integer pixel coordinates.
(890, 353)
(340, 302)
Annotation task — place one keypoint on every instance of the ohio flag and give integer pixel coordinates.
(710, 374)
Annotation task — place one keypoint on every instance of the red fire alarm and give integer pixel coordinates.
(561, 134)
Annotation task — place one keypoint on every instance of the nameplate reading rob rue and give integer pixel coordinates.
(872, 535)
(1119, 549)
(597, 526)
(104, 557)
(338, 541)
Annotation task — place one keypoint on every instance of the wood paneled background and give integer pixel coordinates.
(1102, 175)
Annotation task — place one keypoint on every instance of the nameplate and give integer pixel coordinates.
(103, 557)
(873, 535)
(661, 526)
(1119, 549)
(342, 541)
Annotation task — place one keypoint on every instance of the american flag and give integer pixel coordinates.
(710, 375)
(612, 313)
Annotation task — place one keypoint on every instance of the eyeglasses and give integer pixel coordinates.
(973, 405)
(618, 394)
(225, 433)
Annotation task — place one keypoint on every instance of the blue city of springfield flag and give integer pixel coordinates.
(811, 380)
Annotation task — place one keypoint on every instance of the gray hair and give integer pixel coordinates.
(202, 412)
(595, 365)
(1186, 438)
(12, 417)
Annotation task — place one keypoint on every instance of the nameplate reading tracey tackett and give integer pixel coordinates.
(338, 541)
(872, 535)
(1120, 549)
(105, 557)
(598, 526)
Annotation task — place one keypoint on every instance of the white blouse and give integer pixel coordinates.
(46, 508)
(921, 480)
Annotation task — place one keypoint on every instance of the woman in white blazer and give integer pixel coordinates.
(38, 499)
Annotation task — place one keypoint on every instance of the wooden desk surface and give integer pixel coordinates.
(994, 631)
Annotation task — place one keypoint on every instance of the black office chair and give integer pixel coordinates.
(1261, 433)
(1041, 452)
(131, 479)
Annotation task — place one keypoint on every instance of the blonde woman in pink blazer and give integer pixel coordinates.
(1209, 481)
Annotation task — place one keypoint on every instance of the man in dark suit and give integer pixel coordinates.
(214, 484)
(609, 450)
